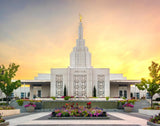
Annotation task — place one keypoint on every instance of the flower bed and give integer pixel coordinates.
(128, 107)
(30, 107)
(8, 110)
(78, 112)
(2, 121)
(154, 120)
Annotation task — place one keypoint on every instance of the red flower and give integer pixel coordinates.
(66, 104)
(77, 104)
(89, 103)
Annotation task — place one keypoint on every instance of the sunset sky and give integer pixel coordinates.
(123, 35)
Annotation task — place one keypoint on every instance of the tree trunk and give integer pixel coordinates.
(151, 101)
(7, 101)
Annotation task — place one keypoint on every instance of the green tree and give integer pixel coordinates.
(6, 84)
(94, 91)
(65, 91)
(152, 85)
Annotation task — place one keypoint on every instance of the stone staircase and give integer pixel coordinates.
(141, 104)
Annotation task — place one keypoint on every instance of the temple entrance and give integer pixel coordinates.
(80, 85)
(123, 91)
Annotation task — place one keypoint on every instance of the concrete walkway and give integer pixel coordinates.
(35, 119)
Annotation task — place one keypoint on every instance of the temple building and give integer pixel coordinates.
(80, 77)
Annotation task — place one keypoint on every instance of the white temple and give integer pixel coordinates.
(80, 77)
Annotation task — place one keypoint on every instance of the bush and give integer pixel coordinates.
(1, 119)
(54, 98)
(6, 108)
(20, 102)
(67, 97)
(124, 98)
(155, 119)
(107, 98)
(122, 102)
(155, 104)
(127, 101)
(3, 104)
(132, 101)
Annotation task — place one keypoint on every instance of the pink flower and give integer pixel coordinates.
(128, 105)
(30, 104)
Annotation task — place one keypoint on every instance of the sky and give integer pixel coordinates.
(123, 35)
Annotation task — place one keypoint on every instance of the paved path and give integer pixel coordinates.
(129, 119)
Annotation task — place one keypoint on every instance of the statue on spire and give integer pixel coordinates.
(80, 17)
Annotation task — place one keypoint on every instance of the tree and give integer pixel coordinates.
(6, 75)
(65, 92)
(151, 85)
(94, 92)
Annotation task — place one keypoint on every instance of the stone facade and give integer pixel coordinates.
(80, 77)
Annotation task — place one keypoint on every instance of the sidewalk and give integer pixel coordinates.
(41, 119)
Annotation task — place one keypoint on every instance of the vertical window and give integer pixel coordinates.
(137, 95)
(131, 95)
(39, 93)
(125, 93)
(28, 94)
(120, 93)
(22, 94)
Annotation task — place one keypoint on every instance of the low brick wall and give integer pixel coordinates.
(10, 112)
(58, 104)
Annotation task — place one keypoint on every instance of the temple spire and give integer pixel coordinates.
(80, 28)
(80, 17)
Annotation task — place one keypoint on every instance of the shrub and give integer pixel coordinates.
(20, 102)
(131, 101)
(155, 119)
(107, 98)
(124, 98)
(3, 104)
(54, 98)
(67, 97)
(122, 102)
(155, 104)
(6, 107)
(1, 119)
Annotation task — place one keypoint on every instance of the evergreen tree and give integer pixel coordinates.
(94, 92)
(6, 75)
(65, 91)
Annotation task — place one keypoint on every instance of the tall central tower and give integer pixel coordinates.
(80, 57)
(80, 77)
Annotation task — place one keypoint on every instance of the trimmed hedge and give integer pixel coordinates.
(101, 104)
